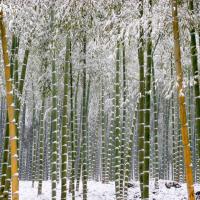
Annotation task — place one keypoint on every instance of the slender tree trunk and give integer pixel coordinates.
(72, 176)
(176, 145)
(35, 145)
(54, 128)
(173, 129)
(84, 126)
(80, 151)
(147, 109)
(122, 161)
(195, 72)
(181, 98)
(155, 114)
(11, 113)
(110, 144)
(5, 158)
(12, 57)
(65, 122)
(142, 102)
(87, 124)
(76, 130)
(128, 157)
(16, 65)
(8, 180)
(103, 148)
(41, 146)
(117, 123)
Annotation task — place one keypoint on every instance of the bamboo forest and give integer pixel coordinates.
(99, 99)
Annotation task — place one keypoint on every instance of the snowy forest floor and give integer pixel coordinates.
(99, 191)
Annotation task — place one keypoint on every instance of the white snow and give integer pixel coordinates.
(99, 191)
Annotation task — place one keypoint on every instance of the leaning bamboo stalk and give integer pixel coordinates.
(181, 99)
(11, 113)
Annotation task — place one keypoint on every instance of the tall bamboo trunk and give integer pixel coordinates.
(128, 156)
(117, 123)
(5, 158)
(6, 192)
(147, 108)
(11, 113)
(173, 129)
(155, 130)
(76, 126)
(35, 144)
(123, 134)
(181, 99)
(87, 124)
(142, 101)
(64, 123)
(41, 146)
(84, 127)
(54, 129)
(103, 146)
(72, 175)
(110, 144)
(195, 73)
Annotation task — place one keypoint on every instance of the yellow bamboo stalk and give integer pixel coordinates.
(11, 113)
(181, 99)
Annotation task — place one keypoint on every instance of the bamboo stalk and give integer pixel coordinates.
(11, 113)
(181, 99)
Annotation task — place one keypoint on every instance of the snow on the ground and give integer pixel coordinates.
(99, 191)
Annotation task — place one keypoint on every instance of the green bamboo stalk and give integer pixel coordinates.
(35, 145)
(123, 134)
(117, 123)
(54, 128)
(155, 114)
(110, 145)
(64, 123)
(79, 156)
(87, 126)
(195, 73)
(84, 127)
(5, 158)
(103, 148)
(147, 109)
(12, 56)
(129, 153)
(72, 176)
(173, 130)
(76, 119)
(8, 180)
(142, 102)
(16, 64)
(41, 146)
(96, 145)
